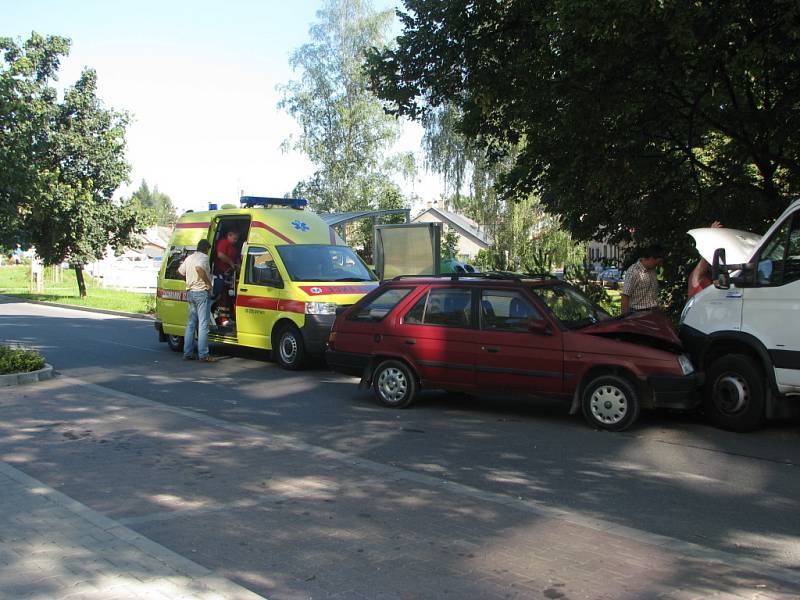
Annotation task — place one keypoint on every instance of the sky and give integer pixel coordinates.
(199, 80)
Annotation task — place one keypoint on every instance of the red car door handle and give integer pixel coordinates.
(491, 348)
(411, 342)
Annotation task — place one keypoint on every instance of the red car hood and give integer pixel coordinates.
(649, 324)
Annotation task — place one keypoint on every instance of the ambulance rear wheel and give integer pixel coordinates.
(175, 343)
(288, 348)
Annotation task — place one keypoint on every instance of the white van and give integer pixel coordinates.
(744, 331)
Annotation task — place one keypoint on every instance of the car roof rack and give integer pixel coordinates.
(502, 275)
(253, 201)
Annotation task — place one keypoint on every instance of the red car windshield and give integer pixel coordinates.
(570, 306)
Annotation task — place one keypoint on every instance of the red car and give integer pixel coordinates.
(538, 336)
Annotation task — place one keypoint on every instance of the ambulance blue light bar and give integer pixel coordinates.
(251, 201)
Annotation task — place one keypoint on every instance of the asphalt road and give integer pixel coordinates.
(671, 474)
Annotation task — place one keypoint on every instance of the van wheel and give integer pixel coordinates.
(735, 394)
(288, 348)
(610, 402)
(175, 343)
(394, 383)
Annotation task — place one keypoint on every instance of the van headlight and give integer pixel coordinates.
(686, 310)
(687, 368)
(320, 308)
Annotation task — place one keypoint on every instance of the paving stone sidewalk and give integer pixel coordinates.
(54, 547)
(107, 495)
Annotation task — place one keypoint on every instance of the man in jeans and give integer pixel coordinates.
(197, 271)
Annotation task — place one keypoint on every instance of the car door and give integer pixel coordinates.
(771, 307)
(519, 348)
(438, 336)
(260, 288)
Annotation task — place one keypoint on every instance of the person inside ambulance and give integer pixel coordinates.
(226, 254)
(226, 263)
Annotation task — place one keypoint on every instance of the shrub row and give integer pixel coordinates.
(19, 360)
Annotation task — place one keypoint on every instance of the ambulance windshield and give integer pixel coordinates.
(323, 263)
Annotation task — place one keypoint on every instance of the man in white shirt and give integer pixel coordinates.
(197, 271)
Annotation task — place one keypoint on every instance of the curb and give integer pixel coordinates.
(23, 378)
(105, 311)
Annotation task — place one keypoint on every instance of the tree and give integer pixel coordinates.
(60, 161)
(345, 131)
(157, 205)
(633, 120)
(523, 235)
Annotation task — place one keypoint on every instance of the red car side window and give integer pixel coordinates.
(445, 307)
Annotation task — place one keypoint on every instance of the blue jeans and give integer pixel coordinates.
(198, 315)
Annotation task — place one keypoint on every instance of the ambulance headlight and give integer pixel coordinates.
(687, 368)
(320, 308)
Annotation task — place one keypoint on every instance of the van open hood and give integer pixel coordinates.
(739, 245)
(651, 328)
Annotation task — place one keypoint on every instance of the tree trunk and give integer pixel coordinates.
(81, 282)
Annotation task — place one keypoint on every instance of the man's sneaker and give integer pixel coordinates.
(189, 358)
(208, 358)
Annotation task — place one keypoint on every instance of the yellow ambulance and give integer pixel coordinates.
(292, 274)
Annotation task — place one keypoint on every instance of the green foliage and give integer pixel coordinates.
(345, 131)
(580, 276)
(19, 360)
(633, 120)
(60, 161)
(523, 235)
(448, 247)
(156, 205)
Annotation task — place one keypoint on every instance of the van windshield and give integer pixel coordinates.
(308, 262)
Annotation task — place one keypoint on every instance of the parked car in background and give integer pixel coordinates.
(452, 265)
(611, 278)
(515, 335)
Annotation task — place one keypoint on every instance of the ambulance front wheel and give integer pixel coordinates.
(175, 343)
(288, 348)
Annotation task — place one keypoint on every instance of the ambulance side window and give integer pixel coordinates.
(261, 268)
(177, 254)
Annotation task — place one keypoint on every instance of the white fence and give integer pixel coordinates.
(131, 275)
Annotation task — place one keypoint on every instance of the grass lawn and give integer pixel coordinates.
(613, 306)
(15, 281)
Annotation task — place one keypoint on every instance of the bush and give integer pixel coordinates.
(19, 360)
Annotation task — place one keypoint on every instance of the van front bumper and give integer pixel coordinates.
(316, 330)
(676, 391)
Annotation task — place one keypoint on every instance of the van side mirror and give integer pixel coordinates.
(538, 327)
(719, 270)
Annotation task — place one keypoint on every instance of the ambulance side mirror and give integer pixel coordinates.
(719, 270)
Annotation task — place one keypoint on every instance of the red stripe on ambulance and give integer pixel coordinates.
(191, 225)
(178, 295)
(265, 303)
(272, 230)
